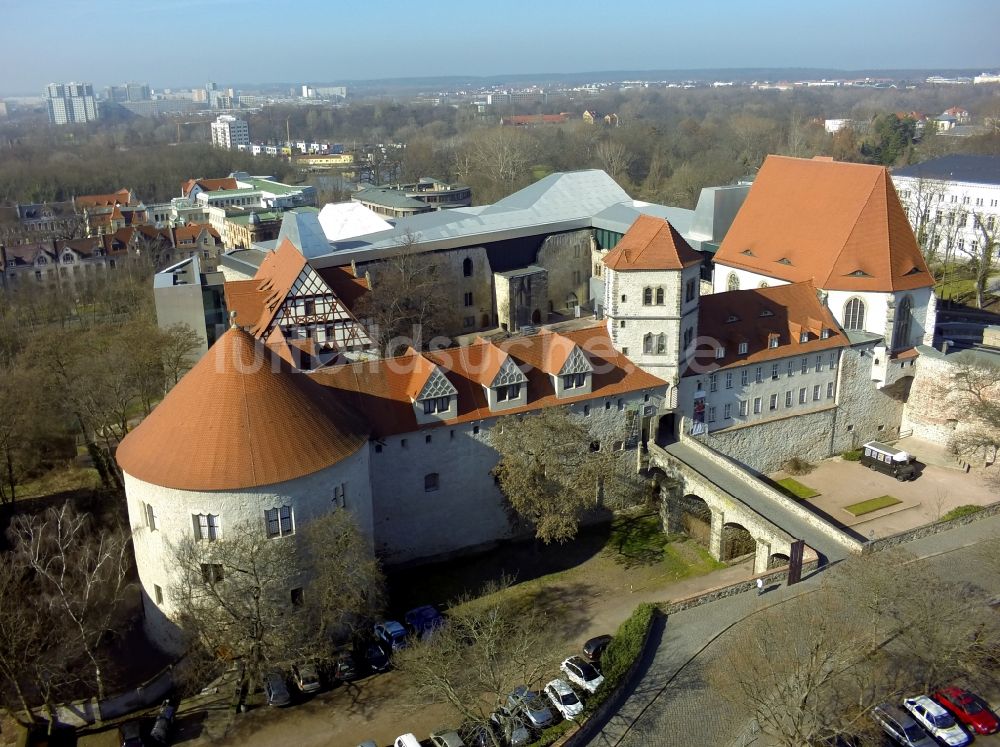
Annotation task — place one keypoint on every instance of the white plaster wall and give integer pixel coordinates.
(467, 509)
(876, 308)
(309, 496)
(943, 197)
(748, 279)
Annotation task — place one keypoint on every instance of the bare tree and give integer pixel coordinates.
(614, 158)
(83, 574)
(973, 392)
(552, 471)
(178, 347)
(488, 647)
(982, 252)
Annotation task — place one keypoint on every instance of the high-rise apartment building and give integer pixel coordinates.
(229, 132)
(71, 103)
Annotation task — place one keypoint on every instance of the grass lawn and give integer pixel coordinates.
(60, 480)
(872, 504)
(796, 489)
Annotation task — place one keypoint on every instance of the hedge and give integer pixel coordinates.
(854, 455)
(959, 511)
(624, 649)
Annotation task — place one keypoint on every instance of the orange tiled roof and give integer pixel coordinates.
(192, 231)
(381, 388)
(209, 185)
(240, 418)
(345, 286)
(839, 225)
(754, 316)
(121, 197)
(651, 244)
(245, 298)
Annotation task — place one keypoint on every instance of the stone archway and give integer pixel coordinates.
(777, 560)
(736, 541)
(696, 519)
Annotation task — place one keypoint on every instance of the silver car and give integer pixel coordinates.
(899, 726)
(531, 706)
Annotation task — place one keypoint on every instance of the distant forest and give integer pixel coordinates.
(669, 143)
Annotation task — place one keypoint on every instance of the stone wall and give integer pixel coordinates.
(865, 412)
(566, 256)
(766, 446)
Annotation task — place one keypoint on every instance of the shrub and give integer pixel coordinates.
(853, 455)
(624, 649)
(959, 511)
(550, 735)
(798, 466)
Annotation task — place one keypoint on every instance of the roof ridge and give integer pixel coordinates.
(854, 227)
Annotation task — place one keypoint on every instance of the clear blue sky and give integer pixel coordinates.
(185, 42)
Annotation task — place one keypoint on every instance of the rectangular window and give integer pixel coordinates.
(713, 383)
(157, 594)
(430, 482)
(576, 277)
(742, 348)
(805, 365)
(711, 413)
(758, 374)
(279, 521)
(574, 381)
(791, 367)
(689, 290)
(829, 390)
(621, 404)
(151, 517)
(744, 376)
(296, 596)
(802, 395)
(773, 405)
(729, 379)
(211, 573)
(756, 405)
(816, 390)
(743, 408)
(819, 363)
(340, 493)
(833, 360)
(467, 299)
(508, 391)
(788, 398)
(727, 412)
(586, 411)
(436, 404)
(774, 371)
(207, 527)
(469, 321)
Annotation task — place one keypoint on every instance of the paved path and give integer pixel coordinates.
(761, 502)
(671, 704)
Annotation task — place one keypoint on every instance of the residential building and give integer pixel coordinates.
(71, 103)
(423, 196)
(36, 222)
(61, 262)
(952, 202)
(104, 214)
(230, 132)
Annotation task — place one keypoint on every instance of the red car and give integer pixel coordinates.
(970, 709)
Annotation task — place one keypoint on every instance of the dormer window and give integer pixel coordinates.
(747, 253)
(824, 334)
(508, 391)
(574, 380)
(766, 312)
(98, 252)
(732, 318)
(804, 337)
(720, 352)
(436, 404)
(772, 341)
(742, 348)
(67, 259)
(42, 261)
(784, 261)
(859, 274)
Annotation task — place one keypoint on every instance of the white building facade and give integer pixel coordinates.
(230, 132)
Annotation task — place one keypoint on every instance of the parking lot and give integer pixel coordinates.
(941, 486)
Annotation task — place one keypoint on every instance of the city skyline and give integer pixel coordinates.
(397, 40)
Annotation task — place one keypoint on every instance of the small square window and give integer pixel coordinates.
(757, 405)
(623, 299)
(431, 482)
(427, 438)
(157, 594)
(296, 596)
(378, 448)
(402, 442)
(586, 411)
(621, 324)
(624, 351)
(743, 348)
(475, 430)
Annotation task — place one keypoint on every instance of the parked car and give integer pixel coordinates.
(477, 735)
(936, 721)
(968, 708)
(306, 677)
(160, 732)
(344, 668)
(423, 620)
(446, 738)
(368, 743)
(275, 690)
(594, 648)
(883, 458)
(130, 734)
(391, 635)
(515, 732)
(582, 673)
(528, 704)
(900, 727)
(374, 656)
(564, 699)
(406, 740)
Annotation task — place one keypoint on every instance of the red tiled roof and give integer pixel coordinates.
(753, 316)
(651, 244)
(345, 286)
(240, 418)
(382, 389)
(209, 185)
(121, 197)
(839, 225)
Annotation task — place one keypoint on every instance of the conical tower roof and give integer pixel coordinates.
(651, 243)
(241, 418)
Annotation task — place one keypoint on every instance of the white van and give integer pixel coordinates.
(407, 740)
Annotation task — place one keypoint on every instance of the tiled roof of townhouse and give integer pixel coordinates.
(209, 185)
(651, 244)
(840, 225)
(241, 418)
(756, 317)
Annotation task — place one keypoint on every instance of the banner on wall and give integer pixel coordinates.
(698, 418)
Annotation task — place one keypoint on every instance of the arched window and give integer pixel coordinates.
(854, 314)
(763, 284)
(901, 327)
(661, 343)
(732, 282)
(647, 343)
(688, 337)
(467, 267)
(571, 300)
(659, 296)
(647, 296)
